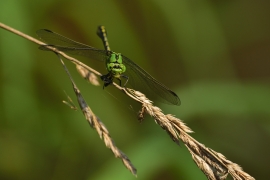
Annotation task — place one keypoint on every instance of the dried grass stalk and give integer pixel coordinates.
(213, 164)
(96, 123)
(88, 75)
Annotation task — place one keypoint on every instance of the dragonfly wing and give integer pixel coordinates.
(70, 46)
(144, 82)
(138, 78)
(56, 39)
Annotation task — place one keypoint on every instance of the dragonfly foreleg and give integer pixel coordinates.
(107, 79)
(126, 77)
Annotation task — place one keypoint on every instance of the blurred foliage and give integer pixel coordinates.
(213, 54)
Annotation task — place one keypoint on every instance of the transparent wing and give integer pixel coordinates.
(140, 80)
(69, 46)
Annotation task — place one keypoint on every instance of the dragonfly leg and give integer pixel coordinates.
(126, 77)
(107, 79)
(120, 82)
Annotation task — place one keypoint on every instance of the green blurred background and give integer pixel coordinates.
(213, 54)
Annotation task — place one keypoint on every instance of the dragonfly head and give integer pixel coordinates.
(115, 64)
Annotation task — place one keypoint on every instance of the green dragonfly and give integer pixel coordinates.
(117, 65)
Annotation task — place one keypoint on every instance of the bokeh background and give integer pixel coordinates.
(214, 54)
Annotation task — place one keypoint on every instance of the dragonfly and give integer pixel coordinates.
(118, 66)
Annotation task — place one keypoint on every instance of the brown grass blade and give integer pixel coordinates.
(213, 164)
(96, 124)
